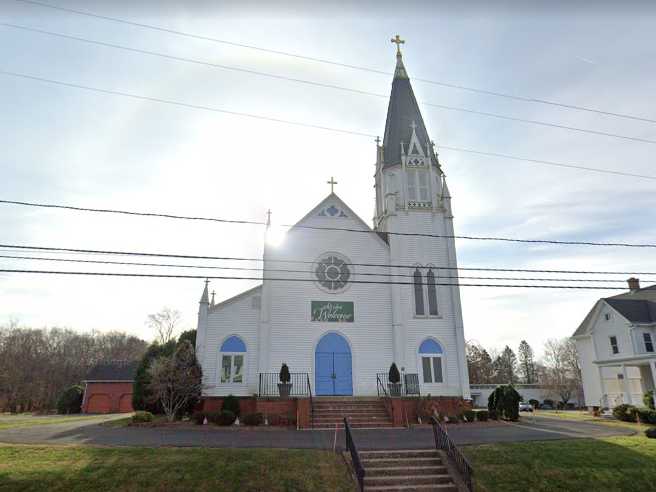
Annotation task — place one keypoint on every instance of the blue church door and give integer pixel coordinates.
(332, 366)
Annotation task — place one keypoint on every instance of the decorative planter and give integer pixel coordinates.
(394, 389)
(284, 389)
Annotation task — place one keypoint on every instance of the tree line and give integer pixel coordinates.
(37, 365)
(558, 369)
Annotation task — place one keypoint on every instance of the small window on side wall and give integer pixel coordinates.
(614, 346)
(649, 344)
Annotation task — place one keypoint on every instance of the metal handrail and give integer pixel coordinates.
(444, 442)
(311, 403)
(355, 457)
(268, 384)
(379, 386)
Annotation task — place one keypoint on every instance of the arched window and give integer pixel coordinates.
(233, 355)
(430, 353)
(419, 293)
(432, 293)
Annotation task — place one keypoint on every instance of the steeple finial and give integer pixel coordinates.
(205, 298)
(398, 42)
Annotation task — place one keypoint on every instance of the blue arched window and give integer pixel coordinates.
(233, 356)
(431, 353)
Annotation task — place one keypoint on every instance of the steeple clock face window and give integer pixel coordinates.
(418, 185)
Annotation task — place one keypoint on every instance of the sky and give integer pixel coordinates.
(67, 145)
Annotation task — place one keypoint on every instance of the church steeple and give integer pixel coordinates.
(405, 125)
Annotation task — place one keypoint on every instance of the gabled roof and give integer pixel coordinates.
(635, 307)
(113, 371)
(402, 111)
(635, 310)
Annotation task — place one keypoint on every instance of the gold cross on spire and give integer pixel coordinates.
(398, 42)
(332, 183)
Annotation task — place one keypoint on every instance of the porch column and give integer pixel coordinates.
(625, 386)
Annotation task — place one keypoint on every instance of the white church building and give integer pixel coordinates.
(338, 306)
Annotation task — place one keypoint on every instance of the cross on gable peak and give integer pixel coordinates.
(332, 184)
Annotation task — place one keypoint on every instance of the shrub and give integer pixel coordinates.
(648, 399)
(231, 403)
(253, 419)
(284, 375)
(470, 415)
(651, 433)
(213, 417)
(226, 417)
(504, 403)
(142, 396)
(453, 419)
(70, 400)
(482, 415)
(198, 417)
(625, 413)
(534, 403)
(142, 417)
(548, 402)
(394, 375)
(646, 415)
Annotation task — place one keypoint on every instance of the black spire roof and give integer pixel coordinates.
(402, 111)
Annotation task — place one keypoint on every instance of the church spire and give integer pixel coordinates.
(404, 125)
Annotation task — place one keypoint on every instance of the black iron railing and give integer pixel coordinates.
(408, 386)
(311, 403)
(300, 382)
(355, 457)
(444, 442)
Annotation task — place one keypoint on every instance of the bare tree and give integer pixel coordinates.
(164, 323)
(563, 374)
(176, 380)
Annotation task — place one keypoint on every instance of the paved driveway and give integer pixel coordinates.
(89, 432)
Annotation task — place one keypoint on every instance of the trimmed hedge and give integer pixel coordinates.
(482, 415)
(142, 417)
(452, 419)
(70, 400)
(625, 413)
(253, 419)
(469, 415)
(231, 403)
(651, 433)
(198, 417)
(646, 415)
(224, 417)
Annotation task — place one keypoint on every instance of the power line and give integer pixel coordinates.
(324, 85)
(343, 229)
(306, 125)
(308, 262)
(275, 270)
(301, 124)
(340, 64)
(159, 275)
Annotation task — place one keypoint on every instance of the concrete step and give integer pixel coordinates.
(339, 408)
(399, 453)
(413, 470)
(440, 487)
(352, 420)
(407, 479)
(371, 463)
(364, 425)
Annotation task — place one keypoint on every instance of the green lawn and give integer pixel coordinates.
(28, 420)
(57, 468)
(614, 463)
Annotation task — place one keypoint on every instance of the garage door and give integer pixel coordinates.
(125, 403)
(98, 403)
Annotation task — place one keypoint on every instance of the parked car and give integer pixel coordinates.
(546, 406)
(525, 407)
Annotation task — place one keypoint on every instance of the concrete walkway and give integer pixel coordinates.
(90, 433)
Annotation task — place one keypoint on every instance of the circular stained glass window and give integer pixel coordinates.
(332, 272)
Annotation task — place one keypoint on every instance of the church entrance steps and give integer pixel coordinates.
(405, 470)
(327, 413)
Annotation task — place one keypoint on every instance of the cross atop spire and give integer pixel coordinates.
(398, 42)
(332, 184)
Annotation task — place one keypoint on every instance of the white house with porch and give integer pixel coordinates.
(615, 343)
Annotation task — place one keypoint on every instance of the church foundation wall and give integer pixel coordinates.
(294, 411)
(404, 411)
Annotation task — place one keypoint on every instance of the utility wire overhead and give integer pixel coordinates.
(324, 85)
(318, 228)
(276, 270)
(308, 262)
(390, 282)
(339, 64)
(306, 125)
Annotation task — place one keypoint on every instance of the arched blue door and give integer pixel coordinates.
(332, 366)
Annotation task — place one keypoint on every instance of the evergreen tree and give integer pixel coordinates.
(526, 363)
(505, 367)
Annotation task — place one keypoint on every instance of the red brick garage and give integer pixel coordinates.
(108, 387)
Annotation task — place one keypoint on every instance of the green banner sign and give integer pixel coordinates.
(332, 311)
